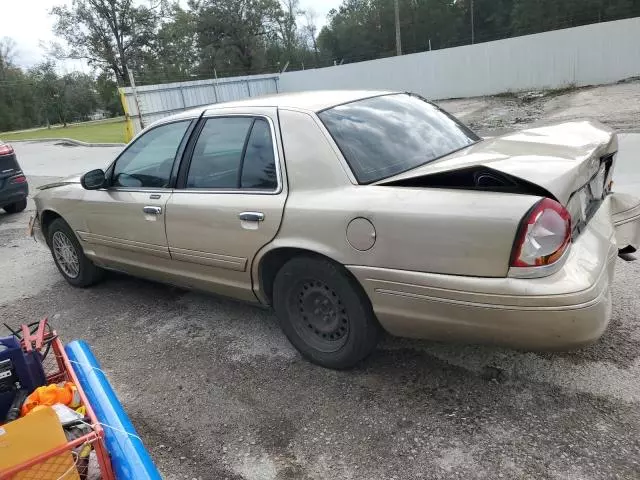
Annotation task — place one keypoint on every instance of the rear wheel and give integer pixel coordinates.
(67, 253)
(324, 313)
(16, 207)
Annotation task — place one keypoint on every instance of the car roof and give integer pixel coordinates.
(314, 101)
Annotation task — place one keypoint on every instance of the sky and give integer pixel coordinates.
(28, 23)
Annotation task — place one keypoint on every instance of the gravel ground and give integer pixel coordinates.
(216, 391)
(615, 105)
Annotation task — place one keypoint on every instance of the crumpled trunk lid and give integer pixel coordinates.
(559, 159)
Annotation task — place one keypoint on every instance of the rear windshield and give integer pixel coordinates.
(384, 136)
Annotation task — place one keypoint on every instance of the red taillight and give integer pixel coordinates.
(544, 235)
(18, 179)
(5, 149)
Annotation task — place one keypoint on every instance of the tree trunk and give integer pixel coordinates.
(246, 57)
(125, 68)
(121, 80)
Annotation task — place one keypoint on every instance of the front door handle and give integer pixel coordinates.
(152, 210)
(251, 216)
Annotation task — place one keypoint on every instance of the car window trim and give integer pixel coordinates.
(187, 134)
(188, 156)
(244, 153)
(368, 97)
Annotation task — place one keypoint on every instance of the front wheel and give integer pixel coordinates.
(71, 261)
(324, 312)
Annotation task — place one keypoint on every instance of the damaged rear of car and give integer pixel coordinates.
(571, 163)
(520, 248)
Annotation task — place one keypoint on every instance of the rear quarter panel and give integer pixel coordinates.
(423, 230)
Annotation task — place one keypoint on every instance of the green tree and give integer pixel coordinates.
(309, 34)
(62, 98)
(80, 96)
(50, 93)
(176, 43)
(17, 108)
(232, 36)
(108, 34)
(108, 96)
(359, 30)
(288, 29)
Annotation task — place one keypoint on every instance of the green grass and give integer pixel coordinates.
(102, 131)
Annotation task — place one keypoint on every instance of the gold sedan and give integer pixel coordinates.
(351, 213)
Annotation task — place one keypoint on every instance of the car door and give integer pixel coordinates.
(126, 220)
(228, 202)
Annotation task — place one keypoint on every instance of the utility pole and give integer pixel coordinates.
(473, 28)
(398, 36)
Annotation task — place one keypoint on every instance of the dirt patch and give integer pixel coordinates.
(617, 106)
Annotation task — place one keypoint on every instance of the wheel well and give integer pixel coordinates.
(47, 218)
(275, 260)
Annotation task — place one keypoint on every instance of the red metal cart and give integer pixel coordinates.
(89, 457)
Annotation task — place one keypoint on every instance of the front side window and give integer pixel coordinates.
(148, 162)
(233, 153)
(387, 135)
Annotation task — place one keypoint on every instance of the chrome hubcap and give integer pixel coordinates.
(65, 255)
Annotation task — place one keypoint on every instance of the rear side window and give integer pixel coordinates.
(233, 153)
(217, 156)
(384, 136)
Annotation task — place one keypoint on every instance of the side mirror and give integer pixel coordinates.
(93, 180)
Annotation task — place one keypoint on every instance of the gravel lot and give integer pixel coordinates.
(216, 391)
(615, 105)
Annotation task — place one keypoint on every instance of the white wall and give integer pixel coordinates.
(593, 54)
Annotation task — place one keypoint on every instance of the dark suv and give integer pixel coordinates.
(13, 184)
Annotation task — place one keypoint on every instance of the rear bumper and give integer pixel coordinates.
(12, 193)
(568, 309)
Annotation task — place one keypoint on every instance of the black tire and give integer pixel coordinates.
(16, 207)
(87, 273)
(325, 313)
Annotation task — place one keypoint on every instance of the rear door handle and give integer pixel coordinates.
(152, 210)
(251, 216)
